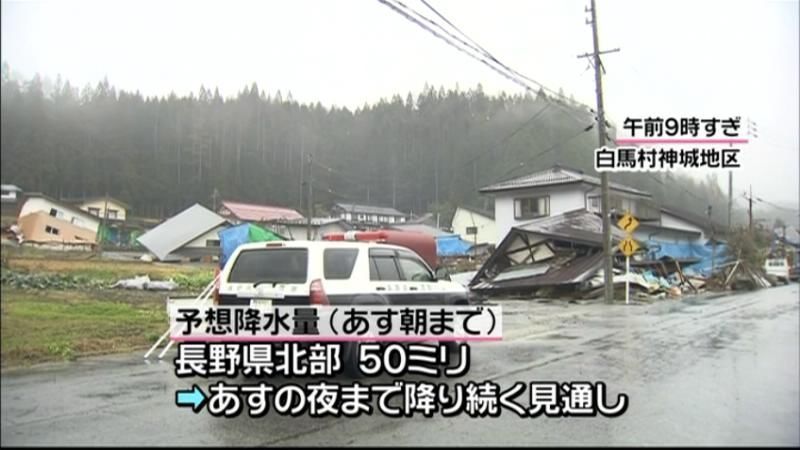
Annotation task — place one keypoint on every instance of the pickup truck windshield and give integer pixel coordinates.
(270, 265)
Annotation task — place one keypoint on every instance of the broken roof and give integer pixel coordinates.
(180, 229)
(579, 228)
(369, 209)
(257, 213)
(555, 176)
(578, 225)
(575, 271)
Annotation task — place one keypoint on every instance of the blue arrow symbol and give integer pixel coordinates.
(194, 398)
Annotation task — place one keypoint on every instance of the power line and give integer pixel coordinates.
(774, 205)
(481, 55)
(512, 74)
(479, 48)
(335, 193)
(344, 176)
(414, 20)
(548, 150)
(666, 174)
(507, 137)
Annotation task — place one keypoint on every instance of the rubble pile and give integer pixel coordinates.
(562, 257)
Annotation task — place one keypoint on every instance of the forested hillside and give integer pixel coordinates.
(418, 152)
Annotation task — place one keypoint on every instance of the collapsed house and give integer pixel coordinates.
(46, 222)
(191, 234)
(560, 252)
(562, 256)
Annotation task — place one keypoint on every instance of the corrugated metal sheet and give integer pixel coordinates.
(179, 230)
(579, 225)
(576, 271)
(526, 272)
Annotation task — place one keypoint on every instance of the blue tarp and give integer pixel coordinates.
(452, 245)
(233, 237)
(658, 249)
(230, 238)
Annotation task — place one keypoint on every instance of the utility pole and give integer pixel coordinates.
(608, 263)
(730, 199)
(310, 205)
(302, 158)
(214, 198)
(750, 209)
(713, 240)
(102, 230)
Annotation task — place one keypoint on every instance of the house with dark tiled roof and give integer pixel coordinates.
(368, 214)
(556, 190)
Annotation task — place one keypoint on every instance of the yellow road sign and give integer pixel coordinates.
(628, 223)
(628, 246)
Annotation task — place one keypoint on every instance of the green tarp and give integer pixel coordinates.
(233, 237)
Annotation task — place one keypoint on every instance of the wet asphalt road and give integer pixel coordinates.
(705, 371)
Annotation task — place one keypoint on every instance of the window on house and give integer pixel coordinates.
(51, 230)
(595, 203)
(212, 242)
(531, 207)
(53, 212)
(77, 221)
(94, 211)
(112, 213)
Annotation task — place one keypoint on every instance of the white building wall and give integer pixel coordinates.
(297, 232)
(670, 221)
(487, 228)
(562, 199)
(643, 234)
(100, 204)
(36, 204)
(200, 241)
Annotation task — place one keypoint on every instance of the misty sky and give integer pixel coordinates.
(678, 58)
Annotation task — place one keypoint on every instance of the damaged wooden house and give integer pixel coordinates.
(560, 253)
(550, 235)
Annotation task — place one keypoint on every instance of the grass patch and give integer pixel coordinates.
(44, 325)
(110, 271)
